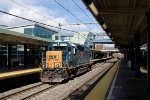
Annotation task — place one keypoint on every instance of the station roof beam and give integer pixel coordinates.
(122, 18)
(7, 36)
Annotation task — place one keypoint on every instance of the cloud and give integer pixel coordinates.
(97, 29)
(44, 14)
(23, 12)
(26, 13)
(74, 26)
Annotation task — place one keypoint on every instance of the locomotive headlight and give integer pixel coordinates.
(57, 66)
(43, 66)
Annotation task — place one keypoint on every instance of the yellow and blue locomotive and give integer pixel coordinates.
(64, 60)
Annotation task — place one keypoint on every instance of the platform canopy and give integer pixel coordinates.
(12, 37)
(121, 19)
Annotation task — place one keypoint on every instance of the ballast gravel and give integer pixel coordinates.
(62, 91)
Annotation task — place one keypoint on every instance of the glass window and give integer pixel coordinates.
(39, 32)
(50, 48)
(69, 49)
(60, 48)
(54, 57)
(50, 57)
(56, 37)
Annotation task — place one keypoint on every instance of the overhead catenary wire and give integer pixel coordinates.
(35, 21)
(39, 22)
(69, 12)
(13, 19)
(50, 18)
(82, 10)
(44, 16)
(33, 11)
(84, 13)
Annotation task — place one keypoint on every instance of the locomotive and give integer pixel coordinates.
(64, 60)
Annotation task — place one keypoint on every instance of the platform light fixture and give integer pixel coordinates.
(94, 9)
(104, 26)
(109, 34)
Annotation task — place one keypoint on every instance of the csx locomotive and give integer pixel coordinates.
(64, 60)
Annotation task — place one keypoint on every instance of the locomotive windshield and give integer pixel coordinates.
(59, 48)
(62, 48)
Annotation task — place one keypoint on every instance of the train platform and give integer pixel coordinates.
(4, 69)
(120, 83)
(17, 71)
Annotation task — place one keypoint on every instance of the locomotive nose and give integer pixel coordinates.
(54, 59)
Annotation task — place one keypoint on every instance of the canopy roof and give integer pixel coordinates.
(121, 19)
(12, 37)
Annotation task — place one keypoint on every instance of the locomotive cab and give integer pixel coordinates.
(54, 59)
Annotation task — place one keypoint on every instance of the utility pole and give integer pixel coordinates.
(59, 31)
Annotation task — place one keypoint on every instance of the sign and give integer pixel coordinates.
(54, 44)
(63, 44)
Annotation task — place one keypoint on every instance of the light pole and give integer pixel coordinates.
(59, 31)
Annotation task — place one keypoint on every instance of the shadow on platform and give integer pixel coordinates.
(127, 86)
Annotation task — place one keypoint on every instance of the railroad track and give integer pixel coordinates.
(97, 65)
(39, 88)
(28, 93)
(100, 64)
(38, 92)
(83, 90)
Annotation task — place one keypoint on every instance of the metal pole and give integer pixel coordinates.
(137, 55)
(148, 54)
(25, 55)
(9, 55)
(59, 32)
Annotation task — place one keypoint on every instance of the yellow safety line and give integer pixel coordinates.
(99, 91)
(18, 73)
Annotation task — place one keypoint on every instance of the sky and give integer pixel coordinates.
(44, 11)
(49, 12)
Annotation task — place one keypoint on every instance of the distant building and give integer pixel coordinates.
(63, 37)
(35, 30)
(17, 50)
(83, 38)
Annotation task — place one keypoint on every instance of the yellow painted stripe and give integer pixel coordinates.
(19, 73)
(99, 91)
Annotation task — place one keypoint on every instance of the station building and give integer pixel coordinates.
(17, 49)
(63, 37)
(83, 38)
(35, 30)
